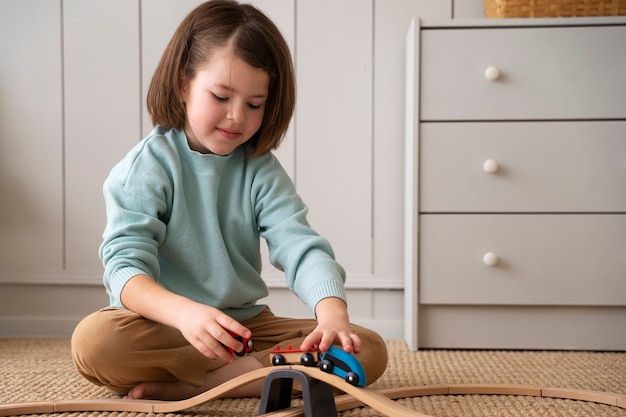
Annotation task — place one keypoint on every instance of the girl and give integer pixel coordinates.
(185, 212)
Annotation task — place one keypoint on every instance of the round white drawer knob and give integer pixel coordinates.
(492, 73)
(491, 166)
(490, 259)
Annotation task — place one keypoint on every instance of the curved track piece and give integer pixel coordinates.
(365, 395)
(381, 401)
(212, 394)
(140, 406)
(347, 402)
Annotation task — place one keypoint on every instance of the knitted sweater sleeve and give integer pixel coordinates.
(134, 228)
(294, 247)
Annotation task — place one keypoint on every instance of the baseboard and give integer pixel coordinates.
(37, 326)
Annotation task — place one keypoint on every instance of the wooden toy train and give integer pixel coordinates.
(334, 361)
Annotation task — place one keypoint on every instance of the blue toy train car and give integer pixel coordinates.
(343, 364)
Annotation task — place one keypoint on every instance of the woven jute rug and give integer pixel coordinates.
(41, 369)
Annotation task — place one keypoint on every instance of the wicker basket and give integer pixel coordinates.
(553, 8)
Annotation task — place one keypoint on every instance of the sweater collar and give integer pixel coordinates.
(201, 163)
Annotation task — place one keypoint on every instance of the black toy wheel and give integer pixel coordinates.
(326, 366)
(278, 359)
(307, 359)
(352, 379)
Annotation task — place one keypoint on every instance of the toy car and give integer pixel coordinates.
(343, 364)
(280, 356)
(248, 346)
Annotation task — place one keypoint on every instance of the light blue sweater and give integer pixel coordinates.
(193, 222)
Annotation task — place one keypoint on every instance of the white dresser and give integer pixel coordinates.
(516, 179)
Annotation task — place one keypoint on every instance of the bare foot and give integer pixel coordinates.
(163, 391)
(180, 391)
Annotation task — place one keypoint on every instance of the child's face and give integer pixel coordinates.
(225, 103)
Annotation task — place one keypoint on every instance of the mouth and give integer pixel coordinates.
(228, 133)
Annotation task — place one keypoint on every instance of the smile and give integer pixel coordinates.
(229, 134)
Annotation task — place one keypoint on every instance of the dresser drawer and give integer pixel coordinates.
(541, 167)
(545, 73)
(541, 259)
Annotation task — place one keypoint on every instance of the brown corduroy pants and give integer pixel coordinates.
(118, 349)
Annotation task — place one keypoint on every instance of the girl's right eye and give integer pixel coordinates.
(219, 98)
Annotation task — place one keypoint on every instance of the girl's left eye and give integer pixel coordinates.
(255, 106)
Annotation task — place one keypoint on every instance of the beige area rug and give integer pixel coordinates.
(41, 369)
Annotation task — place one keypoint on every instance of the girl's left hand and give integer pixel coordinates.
(333, 327)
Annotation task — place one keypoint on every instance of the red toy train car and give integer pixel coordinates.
(248, 346)
(280, 356)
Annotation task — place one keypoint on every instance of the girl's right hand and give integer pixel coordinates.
(206, 328)
(203, 326)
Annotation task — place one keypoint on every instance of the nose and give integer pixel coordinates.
(236, 112)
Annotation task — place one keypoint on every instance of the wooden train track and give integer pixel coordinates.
(382, 401)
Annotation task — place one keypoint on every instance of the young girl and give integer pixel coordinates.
(186, 209)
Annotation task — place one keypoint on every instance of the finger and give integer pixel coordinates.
(223, 354)
(229, 341)
(346, 342)
(328, 339)
(235, 327)
(231, 333)
(356, 342)
(221, 343)
(311, 342)
(212, 349)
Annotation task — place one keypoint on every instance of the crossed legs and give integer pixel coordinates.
(139, 358)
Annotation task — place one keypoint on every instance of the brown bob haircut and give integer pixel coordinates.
(255, 39)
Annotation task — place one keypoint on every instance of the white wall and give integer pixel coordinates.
(73, 76)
